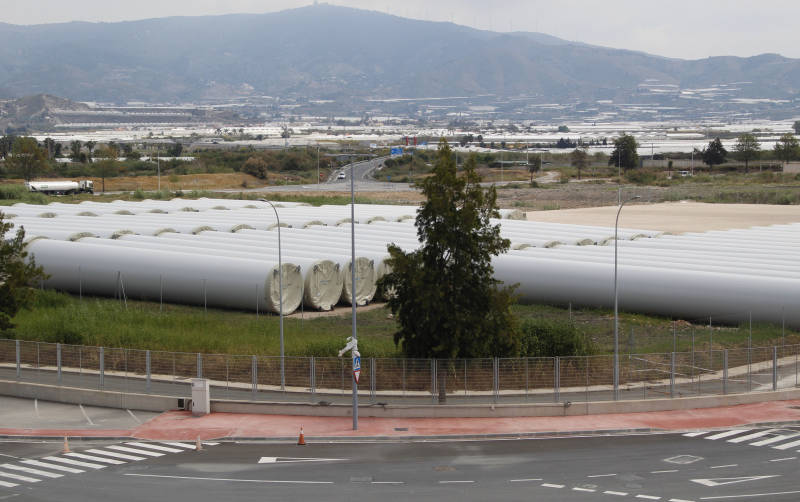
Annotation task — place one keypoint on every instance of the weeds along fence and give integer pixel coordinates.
(328, 379)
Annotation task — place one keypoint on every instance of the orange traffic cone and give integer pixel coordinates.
(66, 446)
(301, 441)
(198, 446)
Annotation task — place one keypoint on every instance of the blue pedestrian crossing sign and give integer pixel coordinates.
(356, 365)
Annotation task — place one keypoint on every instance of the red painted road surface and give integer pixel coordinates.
(182, 425)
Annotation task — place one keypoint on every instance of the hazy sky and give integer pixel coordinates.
(676, 28)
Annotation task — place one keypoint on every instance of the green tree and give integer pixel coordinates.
(534, 166)
(747, 148)
(787, 149)
(107, 167)
(256, 166)
(90, 146)
(27, 160)
(714, 154)
(17, 273)
(6, 144)
(796, 127)
(625, 154)
(75, 150)
(448, 304)
(579, 158)
(49, 146)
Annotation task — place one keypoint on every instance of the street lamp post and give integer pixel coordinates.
(616, 299)
(353, 284)
(280, 296)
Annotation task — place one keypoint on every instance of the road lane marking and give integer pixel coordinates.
(266, 481)
(6, 484)
(95, 458)
(618, 494)
(783, 459)
(725, 434)
(648, 497)
(663, 472)
(454, 481)
(579, 489)
(524, 480)
(30, 470)
(134, 451)
(52, 467)
(680, 500)
(36, 407)
(114, 454)
(85, 415)
(786, 446)
(155, 447)
(294, 460)
(711, 482)
(75, 462)
(388, 482)
(134, 417)
(723, 466)
(749, 495)
(601, 476)
(179, 445)
(19, 477)
(754, 435)
(776, 439)
(695, 434)
(550, 485)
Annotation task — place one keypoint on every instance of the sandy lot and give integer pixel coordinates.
(676, 217)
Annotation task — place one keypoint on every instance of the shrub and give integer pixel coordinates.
(546, 338)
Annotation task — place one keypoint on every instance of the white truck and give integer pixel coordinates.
(61, 187)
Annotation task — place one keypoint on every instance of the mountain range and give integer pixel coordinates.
(331, 52)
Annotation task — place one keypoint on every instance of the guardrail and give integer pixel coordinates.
(408, 381)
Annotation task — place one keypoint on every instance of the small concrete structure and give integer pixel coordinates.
(791, 167)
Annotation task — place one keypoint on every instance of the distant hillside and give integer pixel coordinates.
(39, 111)
(333, 52)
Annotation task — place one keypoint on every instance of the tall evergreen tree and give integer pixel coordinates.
(714, 154)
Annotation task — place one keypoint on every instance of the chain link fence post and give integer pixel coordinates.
(102, 367)
(557, 379)
(372, 379)
(254, 375)
(58, 362)
(774, 368)
(496, 378)
(672, 375)
(19, 366)
(147, 371)
(725, 371)
(433, 380)
(312, 368)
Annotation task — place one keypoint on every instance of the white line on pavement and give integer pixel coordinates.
(549, 485)
(19, 477)
(53, 467)
(776, 439)
(619, 494)
(134, 451)
(579, 489)
(695, 434)
(454, 481)
(155, 447)
(36, 407)
(728, 433)
(94, 458)
(679, 500)
(114, 454)
(601, 476)
(30, 470)
(663, 472)
(134, 417)
(523, 480)
(723, 466)
(388, 482)
(179, 445)
(7, 484)
(648, 497)
(85, 415)
(268, 481)
(754, 435)
(75, 462)
(783, 459)
(786, 446)
(749, 495)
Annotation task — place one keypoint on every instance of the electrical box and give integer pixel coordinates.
(201, 397)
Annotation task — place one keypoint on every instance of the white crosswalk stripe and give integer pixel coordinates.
(69, 461)
(30, 470)
(134, 451)
(695, 434)
(157, 447)
(786, 446)
(776, 439)
(6, 484)
(726, 434)
(179, 445)
(19, 477)
(95, 458)
(114, 454)
(748, 437)
(52, 467)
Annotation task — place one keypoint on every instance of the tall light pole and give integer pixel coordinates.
(616, 299)
(280, 287)
(317, 163)
(353, 283)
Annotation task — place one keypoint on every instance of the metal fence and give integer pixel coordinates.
(384, 380)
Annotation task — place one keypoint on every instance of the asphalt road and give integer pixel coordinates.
(668, 467)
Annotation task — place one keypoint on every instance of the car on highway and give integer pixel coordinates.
(341, 176)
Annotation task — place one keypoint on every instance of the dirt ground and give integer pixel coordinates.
(676, 217)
